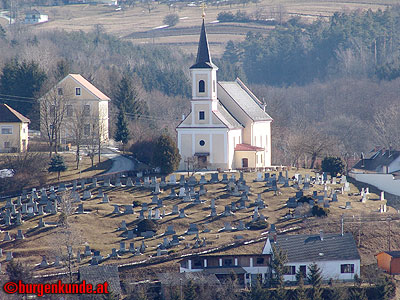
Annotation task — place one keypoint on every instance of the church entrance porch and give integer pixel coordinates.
(202, 161)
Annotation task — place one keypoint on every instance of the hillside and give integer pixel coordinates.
(99, 228)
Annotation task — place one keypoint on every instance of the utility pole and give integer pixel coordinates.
(389, 233)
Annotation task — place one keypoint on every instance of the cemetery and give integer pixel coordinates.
(127, 220)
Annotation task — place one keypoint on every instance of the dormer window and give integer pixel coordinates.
(201, 115)
(77, 91)
(202, 86)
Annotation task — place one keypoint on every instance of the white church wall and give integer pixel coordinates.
(234, 138)
(261, 137)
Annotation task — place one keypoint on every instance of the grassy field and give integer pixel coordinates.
(132, 23)
(98, 227)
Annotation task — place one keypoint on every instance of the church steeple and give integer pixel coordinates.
(203, 60)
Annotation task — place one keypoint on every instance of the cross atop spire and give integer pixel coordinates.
(203, 6)
(203, 60)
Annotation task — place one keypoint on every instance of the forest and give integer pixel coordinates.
(331, 86)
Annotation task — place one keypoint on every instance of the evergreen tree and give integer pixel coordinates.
(62, 69)
(122, 133)
(357, 293)
(166, 154)
(300, 291)
(23, 79)
(257, 292)
(57, 164)
(315, 279)
(127, 98)
(189, 291)
(278, 262)
(386, 288)
(332, 165)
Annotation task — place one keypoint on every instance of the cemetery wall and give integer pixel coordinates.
(384, 182)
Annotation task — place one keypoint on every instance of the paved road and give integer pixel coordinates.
(120, 162)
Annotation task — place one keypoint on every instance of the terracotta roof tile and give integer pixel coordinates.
(90, 87)
(247, 147)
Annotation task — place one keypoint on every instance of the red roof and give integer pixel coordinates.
(247, 147)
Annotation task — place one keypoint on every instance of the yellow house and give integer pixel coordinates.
(227, 127)
(13, 130)
(75, 103)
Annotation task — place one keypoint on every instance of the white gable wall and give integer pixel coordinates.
(234, 138)
(329, 269)
(261, 137)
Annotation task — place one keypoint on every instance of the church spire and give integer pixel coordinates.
(203, 60)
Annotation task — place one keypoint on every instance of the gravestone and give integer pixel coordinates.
(146, 182)
(172, 180)
(343, 179)
(138, 183)
(214, 178)
(86, 195)
(193, 229)
(118, 182)
(128, 209)
(259, 177)
(172, 194)
(170, 230)
(78, 256)
(334, 197)
(157, 215)
(105, 199)
(94, 182)
(7, 237)
(182, 213)
(87, 252)
(233, 206)
(114, 253)
(100, 193)
(160, 203)
(182, 192)
(116, 209)
(182, 180)
(24, 208)
(44, 262)
(129, 182)
(9, 256)
(224, 178)
(154, 199)
(212, 203)
(213, 212)
(382, 196)
(241, 226)
(187, 198)
(202, 190)
(227, 226)
(175, 241)
(143, 247)
(131, 247)
(131, 235)
(41, 223)
(20, 235)
(107, 182)
(203, 180)
(18, 219)
(122, 248)
(175, 210)
(80, 210)
(227, 211)
(348, 205)
(157, 189)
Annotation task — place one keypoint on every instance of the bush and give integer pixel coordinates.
(257, 225)
(167, 156)
(319, 211)
(143, 151)
(332, 165)
(171, 19)
(146, 225)
(226, 16)
(305, 199)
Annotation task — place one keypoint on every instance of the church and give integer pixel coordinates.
(227, 127)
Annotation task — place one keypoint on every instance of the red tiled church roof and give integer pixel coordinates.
(247, 147)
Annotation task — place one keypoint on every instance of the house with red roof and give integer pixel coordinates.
(13, 130)
(227, 127)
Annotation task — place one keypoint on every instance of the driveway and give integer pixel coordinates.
(120, 162)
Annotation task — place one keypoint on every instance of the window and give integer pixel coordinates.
(202, 143)
(290, 270)
(214, 86)
(60, 91)
(197, 264)
(78, 91)
(7, 145)
(201, 115)
(86, 129)
(6, 130)
(202, 86)
(228, 262)
(347, 268)
(69, 111)
(86, 109)
(260, 261)
(52, 111)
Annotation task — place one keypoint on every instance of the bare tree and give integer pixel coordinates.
(386, 126)
(52, 112)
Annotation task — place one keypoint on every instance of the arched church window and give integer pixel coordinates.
(202, 86)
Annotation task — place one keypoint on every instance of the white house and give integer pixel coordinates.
(227, 127)
(335, 254)
(35, 17)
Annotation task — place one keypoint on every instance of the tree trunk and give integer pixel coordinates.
(313, 158)
(77, 157)
(58, 176)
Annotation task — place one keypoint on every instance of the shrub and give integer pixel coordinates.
(167, 156)
(257, 225)
(147, 225)
(319, 211)
(171, 19)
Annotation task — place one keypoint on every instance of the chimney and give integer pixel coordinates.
(183, 117)
(321, 235)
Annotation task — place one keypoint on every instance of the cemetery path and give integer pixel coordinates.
(120, 162)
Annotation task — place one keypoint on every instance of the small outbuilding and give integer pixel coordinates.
(389, 261)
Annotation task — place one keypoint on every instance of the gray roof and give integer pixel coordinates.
(226, 118)
(310, 248)
(100, 274)
(245, 99)
(374, 161)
